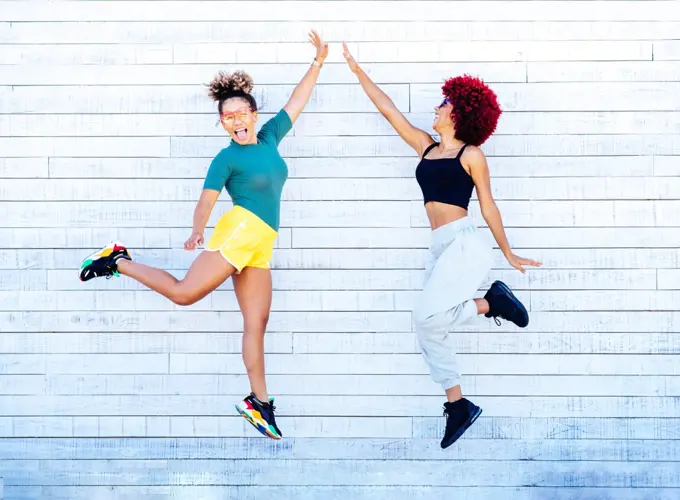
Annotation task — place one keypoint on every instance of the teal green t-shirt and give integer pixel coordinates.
(254, 174)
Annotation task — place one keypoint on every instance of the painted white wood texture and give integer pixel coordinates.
(110, 392)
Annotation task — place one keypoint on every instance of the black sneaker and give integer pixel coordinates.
(260, 415)
(460, 415)
(102, 263)
(502, 303)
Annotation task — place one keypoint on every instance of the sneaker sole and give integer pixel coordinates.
(465, 427)
(261, 429)
(507, 290)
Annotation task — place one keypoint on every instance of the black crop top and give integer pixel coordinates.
(445, 180)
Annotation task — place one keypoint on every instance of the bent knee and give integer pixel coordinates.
(183, 297)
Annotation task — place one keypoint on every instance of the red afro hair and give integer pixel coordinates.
(475, 108)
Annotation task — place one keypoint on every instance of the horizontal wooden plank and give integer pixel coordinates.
(669, 279)
(336, 406)
(364, 167)
(314, 280)
(76, 54)
(99, 363)
(341, 385)
(511, 123)
(564, 429)
(185, 321)
(543, 50)
(547, 188)
(347, 259)
(341, 364)
(289, 300)
(95, 237)
(340, 472)
(603, 71)
(576, 299)
(169, 214)
(666, 165)
(386, 364)
(342, 449)
(591, 245)
(22, 384)
(181, 98)
(113, 343)
(592, 96)
(492, 343)
(298, 52)
(23, 167)
(262, 73)
(628, 300)
(520, 238)
(111, 125)
(23, 280)
(51, 31)
(223, 426)
(85, 146)
(333, 124)
(667, 50)
(349, 11)
(331, 343)
(501, 145)
(342, 492)
(384, 214)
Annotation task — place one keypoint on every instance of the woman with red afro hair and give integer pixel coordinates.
(459, 258)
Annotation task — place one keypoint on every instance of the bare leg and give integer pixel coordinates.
(454, 394)
(207, 272)
(253, 289)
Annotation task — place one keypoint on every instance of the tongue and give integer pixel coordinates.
(242, 134)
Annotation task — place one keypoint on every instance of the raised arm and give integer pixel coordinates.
(479, 170)
(416, 138)
(303, 90)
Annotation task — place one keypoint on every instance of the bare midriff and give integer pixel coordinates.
(440, 214)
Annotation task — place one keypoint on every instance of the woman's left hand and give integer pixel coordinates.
(321, 47)
(519, 262)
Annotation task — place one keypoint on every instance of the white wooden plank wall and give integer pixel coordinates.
(109, 392)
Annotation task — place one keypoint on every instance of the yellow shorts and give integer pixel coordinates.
(243, 239)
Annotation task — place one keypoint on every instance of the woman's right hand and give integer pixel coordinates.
(353, 66)
(194, 241)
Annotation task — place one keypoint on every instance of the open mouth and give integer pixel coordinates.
(241, 134)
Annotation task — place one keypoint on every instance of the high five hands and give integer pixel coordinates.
(321, 46)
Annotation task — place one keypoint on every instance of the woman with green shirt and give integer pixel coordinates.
(253, 173)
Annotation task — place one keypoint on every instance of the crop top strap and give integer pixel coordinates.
(427, 150)
(460, 153)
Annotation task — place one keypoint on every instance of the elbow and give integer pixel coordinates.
(490, 211)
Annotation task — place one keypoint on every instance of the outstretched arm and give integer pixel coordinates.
(416, 138)
(479, 170)
(303, 90)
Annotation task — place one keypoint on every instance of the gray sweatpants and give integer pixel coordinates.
(459, 261)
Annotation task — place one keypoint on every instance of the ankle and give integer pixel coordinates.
(262, 397)
(121, 263)
(483, 306)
